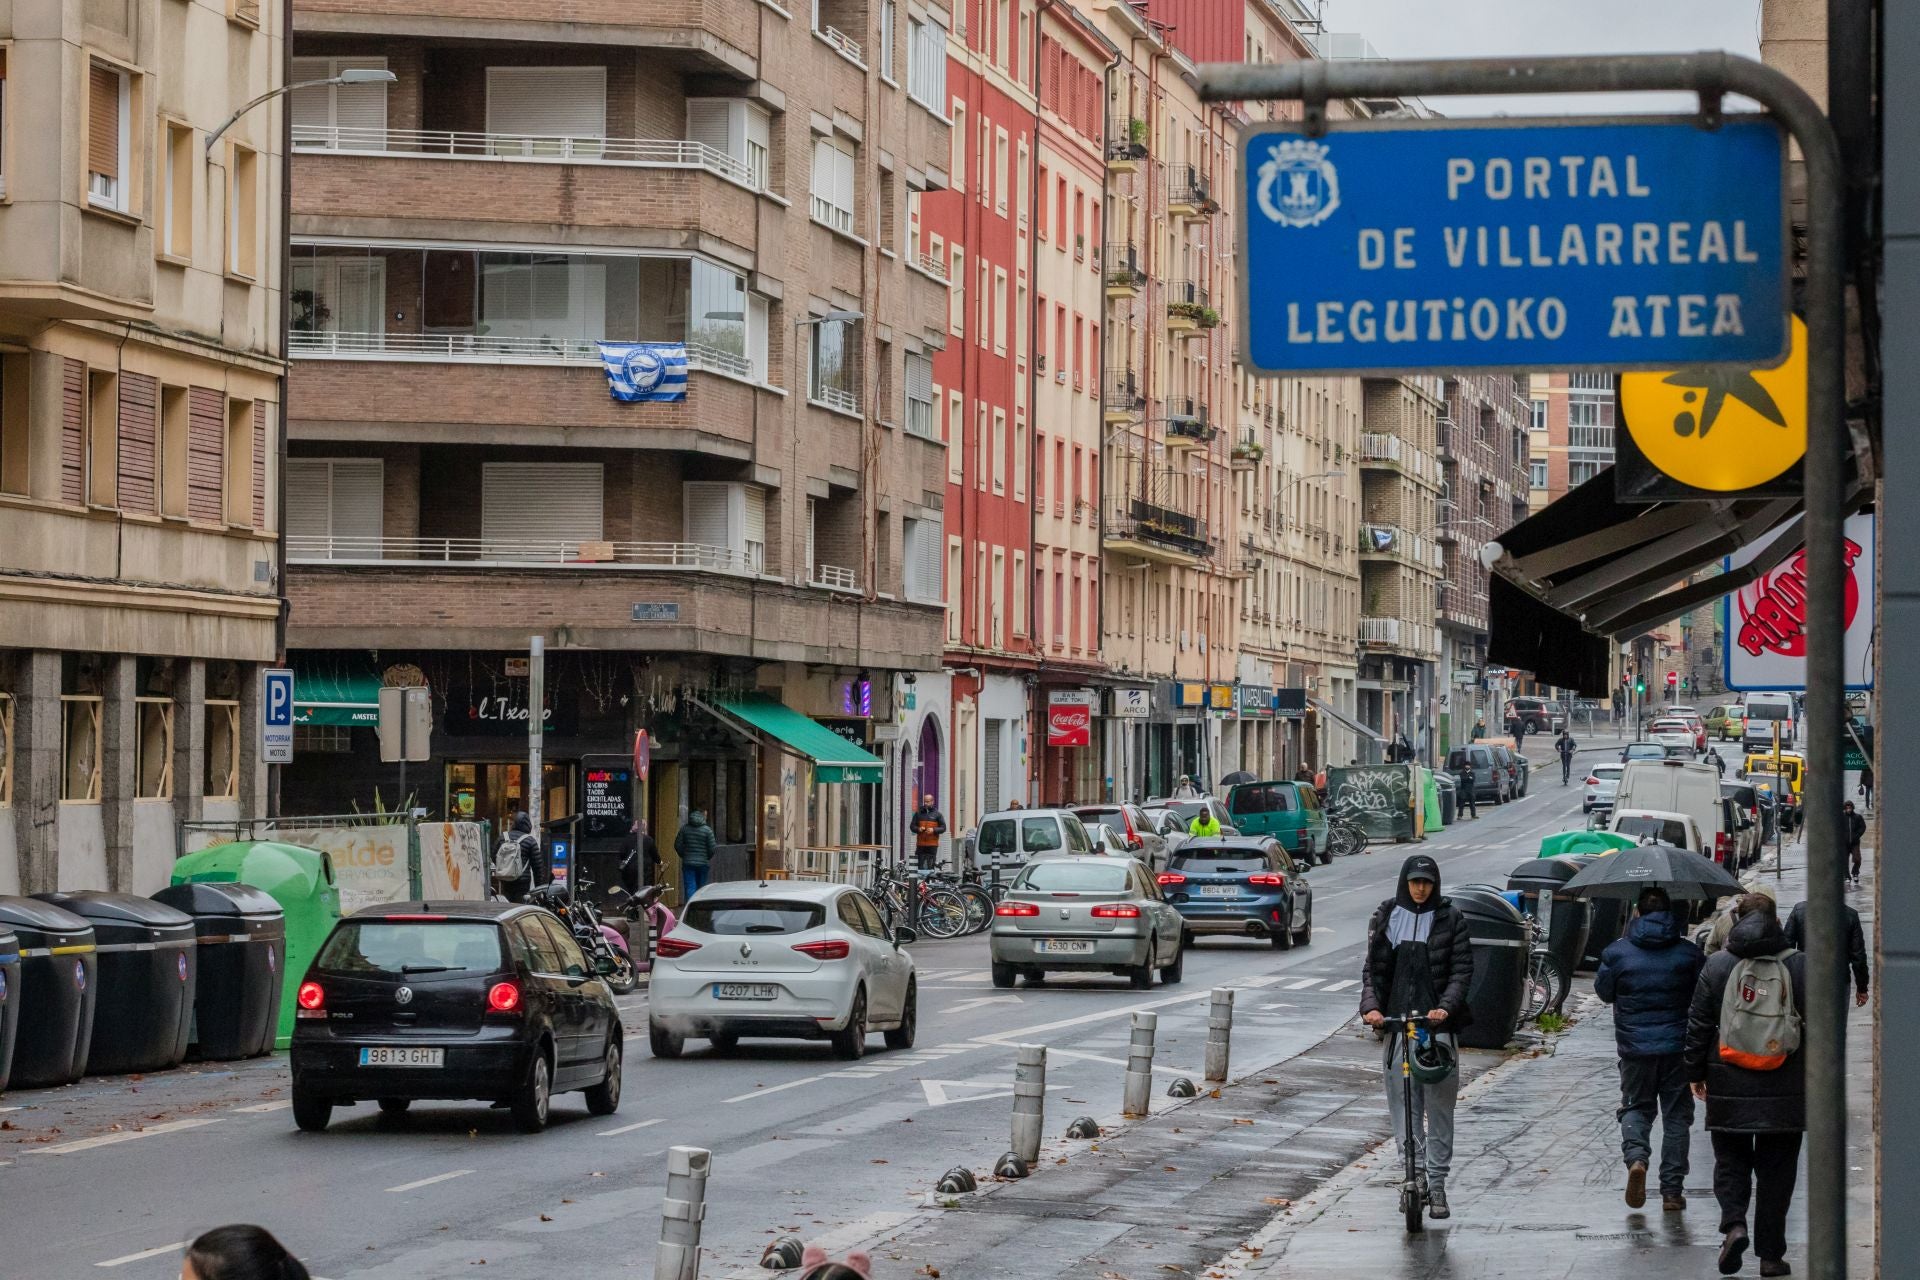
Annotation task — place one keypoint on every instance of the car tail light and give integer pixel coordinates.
(1170, 877)
(1270, 879)
(312, 1000)
(825, 949)
(1593, 782)
(1722, 846)
(1017, 909)
(504, 997)
(671, 946)
(1117, 911)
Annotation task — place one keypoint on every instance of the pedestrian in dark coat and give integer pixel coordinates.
(1856, 832)
(1756, 1118)
(694, 844)
(1796, 931)
(1648, 977)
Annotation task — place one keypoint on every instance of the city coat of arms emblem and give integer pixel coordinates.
(1298, 184)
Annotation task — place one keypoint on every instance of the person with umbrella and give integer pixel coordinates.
(1648, 977)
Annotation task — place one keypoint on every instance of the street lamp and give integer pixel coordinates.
(359, 75)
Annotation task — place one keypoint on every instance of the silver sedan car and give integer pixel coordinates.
(1086, 913)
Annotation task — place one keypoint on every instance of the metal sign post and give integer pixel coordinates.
(1711, 75)
(536, 727)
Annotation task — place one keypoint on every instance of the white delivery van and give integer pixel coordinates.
(1764, 711)
(1680, 786)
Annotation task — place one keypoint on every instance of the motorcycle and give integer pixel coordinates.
(648, 910)
(597, 938)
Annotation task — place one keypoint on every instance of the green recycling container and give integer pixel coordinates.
(1584, 842)
(301, 880)
(1431, 791)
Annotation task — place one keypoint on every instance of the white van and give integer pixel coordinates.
(1007, 839)
(1679, 786)
(1764, 710)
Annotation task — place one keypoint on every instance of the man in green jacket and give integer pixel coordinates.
(694, 844)
(1204, 824)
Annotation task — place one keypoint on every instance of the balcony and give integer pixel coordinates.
(1190, 193)
(1125, 153)
(1390, 542)
(1380, 631)
(1187, 424)
(490, 553)
(1121, 266)
(1188, 311)
(1247, 450)
(1120, 395)
(1384, 451)
(1154, 532)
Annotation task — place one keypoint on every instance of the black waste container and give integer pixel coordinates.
(9, 999)
(1449, 797)
(147, 965)
(1500, 939)
(56, 993)
(1567, 935)
(242, 936)
(1610, 916)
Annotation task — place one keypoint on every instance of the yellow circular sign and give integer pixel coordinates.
(1718, 428)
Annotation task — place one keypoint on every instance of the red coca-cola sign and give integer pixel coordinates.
(1070, 720)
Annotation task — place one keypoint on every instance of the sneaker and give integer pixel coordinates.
(1733, 1251)
(1437, 1202)
(1636, 1184)
(1778, 1267)
(1674, 1202)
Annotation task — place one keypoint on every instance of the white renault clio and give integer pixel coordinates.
(784, 959)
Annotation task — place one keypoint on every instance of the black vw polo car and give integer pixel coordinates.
(486, 1000)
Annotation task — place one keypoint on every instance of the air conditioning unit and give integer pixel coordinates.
(1183, 641)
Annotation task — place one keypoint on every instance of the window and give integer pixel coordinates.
(953, 582)
(153, 752)
(920, 560)
(999, 311)
(15, 422)
(833, 377)
(80, 748)
(926, 63)
(920, 398)
(833, 185)
(1040, 228)
(346, 117)
(103, 439)
(1000, 171)
(982, 446)
(1539, 422)
(548, 112)
(1019, 593)
(175, 424)
(983, 323)
(956, 437)
(176, 211)
(889, 17)
(1537, 473)
(957, 294)
(737, 136)
(957, 157)
(1020, 183)
(335, 508)
(1019, 459)
(727, 524)
(108, 166)
(243, 214)
(758, 322)
(322, 739)
(997, 446)
(996, 589)
(239, 462)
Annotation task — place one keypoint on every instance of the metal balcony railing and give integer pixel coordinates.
(1187, 419)
(1138, 518)
(834, 577)
(1380, 631)
(1380, 447)
(1121, 265)
(521, 553)
(485, 348)
(659, 153)
(1120, 391)
(1131, 144)
(1188, 186)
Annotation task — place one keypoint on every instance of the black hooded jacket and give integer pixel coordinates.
(1449, 951)
(1740, 1100)
(532, 849)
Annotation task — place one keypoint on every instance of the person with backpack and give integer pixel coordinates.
(519, 863)
(1649, 977)
(694, 844)
(1743, 1060)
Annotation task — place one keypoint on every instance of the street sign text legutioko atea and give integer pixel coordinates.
(1507, 244)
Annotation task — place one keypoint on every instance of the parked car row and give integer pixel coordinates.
(1500, 774)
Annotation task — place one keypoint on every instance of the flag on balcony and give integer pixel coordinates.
(645, 370)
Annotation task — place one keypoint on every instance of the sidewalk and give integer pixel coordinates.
(1537, 1184)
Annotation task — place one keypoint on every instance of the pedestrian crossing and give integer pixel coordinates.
(1325, 984)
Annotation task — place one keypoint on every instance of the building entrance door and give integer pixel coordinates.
(496, 790)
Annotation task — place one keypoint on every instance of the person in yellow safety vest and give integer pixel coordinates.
(1204, 824)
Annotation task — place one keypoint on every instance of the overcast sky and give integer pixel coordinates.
(1486, 28)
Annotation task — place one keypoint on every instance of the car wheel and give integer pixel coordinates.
(1034, 977)
(850, 1042)
(533, 1098)
(395, 1106)
(1305, 936)
(1282, 934)
(1186, 938)
(1003, 974)
(724, 1041)
(1141, 975)
(603, 1099)
(1171, 974)
(311, 1113)
(1326, 854)
(664, 1043)
(901, 1037)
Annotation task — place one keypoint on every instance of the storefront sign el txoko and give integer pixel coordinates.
(503, 712)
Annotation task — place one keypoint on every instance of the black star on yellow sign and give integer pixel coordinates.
(1714, 429)
(1718, 384)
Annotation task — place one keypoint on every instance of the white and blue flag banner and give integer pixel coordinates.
(645, 370)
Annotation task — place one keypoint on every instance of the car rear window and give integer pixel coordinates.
(1606, 771)
(1266, 797)
(997, 836)
(1111, 816)
(1074, 877)
(411, 946)
(730, 916)
(1665, 830)
(1223, 859)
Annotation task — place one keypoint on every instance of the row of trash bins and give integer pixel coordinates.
(110, 983)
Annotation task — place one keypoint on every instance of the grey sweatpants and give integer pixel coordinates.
(1432, 1112)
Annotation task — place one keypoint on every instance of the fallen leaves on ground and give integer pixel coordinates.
(1280, 1201)
(929, 1270)
(546, 1217)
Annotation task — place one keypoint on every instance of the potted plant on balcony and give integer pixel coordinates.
(309, 312)
(1192, 311)
(1208, 318)
(1249, 450)
(1137, 134)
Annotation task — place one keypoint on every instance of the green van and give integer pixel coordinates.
(1288, 811)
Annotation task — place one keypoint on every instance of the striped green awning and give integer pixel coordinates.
(334, 698)
(834, 758)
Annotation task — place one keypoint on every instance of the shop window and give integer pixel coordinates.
(322, 739)
(80, 748)
(153, 765)
(223, 749)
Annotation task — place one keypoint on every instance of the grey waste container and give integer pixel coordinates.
(1500, 940)
(9, 999)
(1567, 935)
(1449, 796)
(57, 988)
(242, 935)
(147, 966)
(1609, 921)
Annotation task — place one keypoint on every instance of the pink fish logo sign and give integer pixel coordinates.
(1773, 609)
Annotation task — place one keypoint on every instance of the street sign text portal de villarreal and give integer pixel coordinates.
(1505, 244)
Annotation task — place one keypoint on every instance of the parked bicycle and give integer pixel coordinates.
(1547, 978)
(978, 899)
(910, 898)
(1345, 835)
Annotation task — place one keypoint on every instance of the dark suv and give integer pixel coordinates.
(487, 1000)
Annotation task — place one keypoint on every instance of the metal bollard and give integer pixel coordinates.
(1219, 1033)
(1139, 1065)
(1029, 1100)
(681, 1214)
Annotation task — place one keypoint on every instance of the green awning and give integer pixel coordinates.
(335, 698)
(835, 759)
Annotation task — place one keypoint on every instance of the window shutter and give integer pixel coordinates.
(357, 500)
(548, 102)
(919, 378)
(706, 513)
(313, 106)
(309, 498)
(754, 525)
(103, 122)
(360, 110)
(990, 781)
(930, 560)
(813, 515)
(710, 122)
(553, 504)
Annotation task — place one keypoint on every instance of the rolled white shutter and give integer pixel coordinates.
(313, 106)
(706, 513)
(540, 509)
(547, 102)
(359, 511)
(930, 560)
(754, 525)
(360, 110)
(710, 122)
(309, 498)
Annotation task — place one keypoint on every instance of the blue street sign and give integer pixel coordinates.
(276, 716)
(1508, 244)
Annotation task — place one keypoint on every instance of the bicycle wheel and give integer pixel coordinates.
(942, 914)
(1546, 985)
(979, 907)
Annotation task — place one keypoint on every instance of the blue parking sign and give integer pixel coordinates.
(1386, 246)
(276, 716)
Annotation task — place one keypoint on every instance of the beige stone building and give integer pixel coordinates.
(139, 423)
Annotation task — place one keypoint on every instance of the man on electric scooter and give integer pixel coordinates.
(1420, 958)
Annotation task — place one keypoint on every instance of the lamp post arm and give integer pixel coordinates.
(271, 93)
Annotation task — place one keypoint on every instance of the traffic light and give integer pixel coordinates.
(1639, 687)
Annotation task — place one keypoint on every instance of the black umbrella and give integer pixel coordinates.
(1681, 872)
(1237, 777)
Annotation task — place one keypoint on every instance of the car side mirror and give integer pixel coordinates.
(903, 936)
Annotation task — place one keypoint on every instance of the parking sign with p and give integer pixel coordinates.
(276, 716)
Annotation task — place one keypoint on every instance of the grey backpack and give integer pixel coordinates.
(1759, 1026)
(509, 857)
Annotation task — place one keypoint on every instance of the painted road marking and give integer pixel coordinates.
(1341, 986)
(144, 1254)
(1083, 1056)
(1264, 980)
(937, 1091)
(1301, 984)
(427, 1182)
(259, 1108)
(629, 1128)
(961, 1006)
(128, 1135)
(761, 1093)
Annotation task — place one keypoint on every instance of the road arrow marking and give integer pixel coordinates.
(975, 1002)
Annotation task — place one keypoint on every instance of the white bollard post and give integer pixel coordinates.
(1139, 1065)
(1219, 1033)
(1029, 1101)
(681, 1214)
